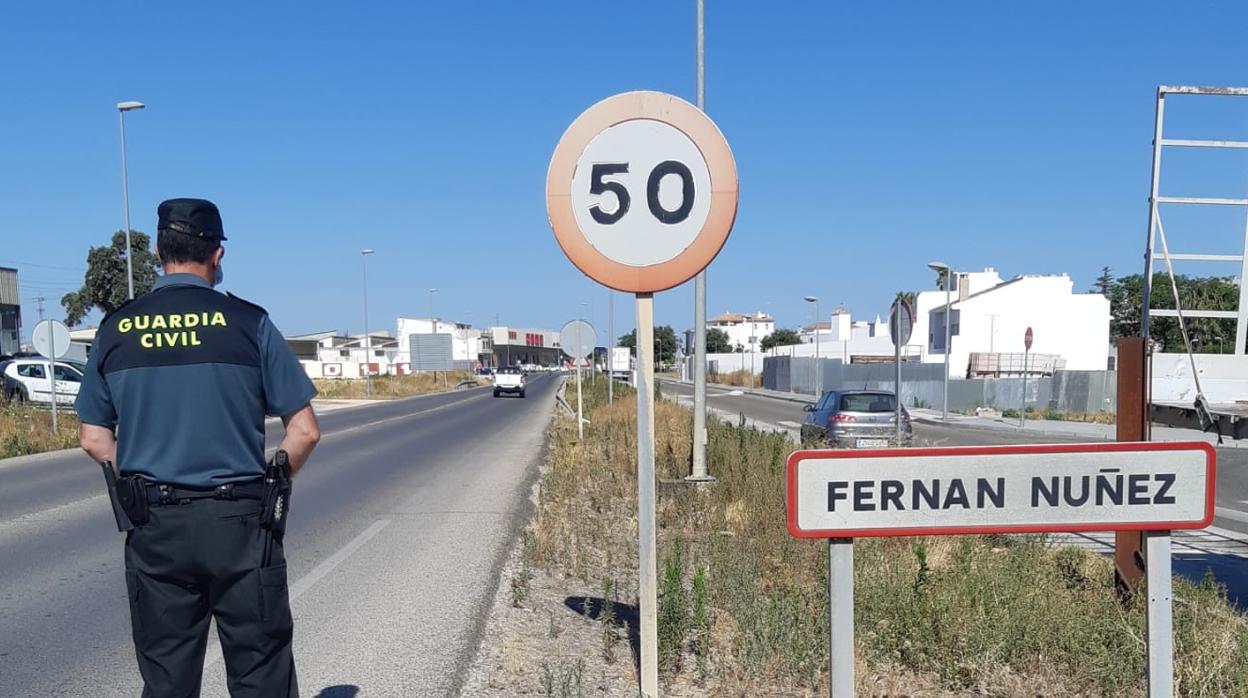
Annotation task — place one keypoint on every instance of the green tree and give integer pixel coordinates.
(717, 341)
(908, 296)
(1104, 283)
(665, 343)
(780, 338)
(1195, 293)
(104, 285)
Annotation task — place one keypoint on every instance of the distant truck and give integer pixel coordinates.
(509, 379)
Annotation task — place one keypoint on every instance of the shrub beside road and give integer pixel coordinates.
(743, 606)
(392, 387)
(26, 429)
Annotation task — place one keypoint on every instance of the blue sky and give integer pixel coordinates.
(870, 138)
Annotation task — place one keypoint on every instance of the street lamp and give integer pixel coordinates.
(431, 315)
(122, 108)
(368, 343)
(818, 368)
(942, 268)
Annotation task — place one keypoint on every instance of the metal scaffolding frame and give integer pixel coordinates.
(1155, 199)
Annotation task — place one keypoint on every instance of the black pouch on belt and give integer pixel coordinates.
(276, 504)
(132, 493)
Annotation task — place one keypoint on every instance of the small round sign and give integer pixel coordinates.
(577, 339)
(642, 191)
(51, 339)
(900, 322)
(1027, 339)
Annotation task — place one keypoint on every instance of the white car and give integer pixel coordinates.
(26, 380)
(509, 379)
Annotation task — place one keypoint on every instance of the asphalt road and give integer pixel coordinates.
(399, 526)
(1223, 548)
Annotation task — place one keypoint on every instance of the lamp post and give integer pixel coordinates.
(368, 344)
(431, 315)
(942, 268)
(122, 108)
(818, 368)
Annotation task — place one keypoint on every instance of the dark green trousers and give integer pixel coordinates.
(207, 559)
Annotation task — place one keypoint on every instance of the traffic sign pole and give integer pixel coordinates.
(647, 567)
(1159, 626)
(841, 617)
(51, 339)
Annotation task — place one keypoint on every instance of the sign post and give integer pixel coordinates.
(51, 340)
(577, 339)
(1022, 409)
(1053, 488)
(900, 325)
(642, 194)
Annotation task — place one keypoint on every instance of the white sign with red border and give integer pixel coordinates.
(1000, 489)
(642, 191)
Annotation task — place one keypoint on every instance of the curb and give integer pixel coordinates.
(1009, 429)
(787, 397)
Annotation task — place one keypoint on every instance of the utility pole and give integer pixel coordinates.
(39, 303)
(699, 297)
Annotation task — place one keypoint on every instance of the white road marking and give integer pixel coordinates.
(318, 573)
(52, 512)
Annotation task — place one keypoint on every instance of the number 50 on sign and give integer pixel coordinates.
(642, 191)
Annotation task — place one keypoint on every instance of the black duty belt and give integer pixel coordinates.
(158, 494)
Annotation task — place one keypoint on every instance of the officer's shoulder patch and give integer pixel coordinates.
(248, 303)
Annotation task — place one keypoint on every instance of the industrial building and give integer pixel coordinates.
(10, 312)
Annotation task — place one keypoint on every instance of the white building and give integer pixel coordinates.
(744, 331)
(990, 316)
(467, 342)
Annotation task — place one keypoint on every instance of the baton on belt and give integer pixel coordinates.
(110, 479)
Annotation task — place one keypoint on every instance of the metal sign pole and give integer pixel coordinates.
(52, 382)
(611, 345)
(580, 404)
(1159, 630)
(897, 377)
(841, 617)
(1022, 409)
(699, 295)
(647, 570)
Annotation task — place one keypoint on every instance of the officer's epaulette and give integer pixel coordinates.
(247, 302)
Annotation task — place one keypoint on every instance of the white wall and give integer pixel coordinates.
(1223, 378)
(1072, 326)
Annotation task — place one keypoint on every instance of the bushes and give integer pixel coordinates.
(743, 606)
(27, 429)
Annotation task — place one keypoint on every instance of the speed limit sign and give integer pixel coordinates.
(642, 191)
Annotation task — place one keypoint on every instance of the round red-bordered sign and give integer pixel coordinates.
(642, 191)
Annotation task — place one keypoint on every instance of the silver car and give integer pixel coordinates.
(855, 419)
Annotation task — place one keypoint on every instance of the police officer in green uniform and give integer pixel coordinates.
(176, 392)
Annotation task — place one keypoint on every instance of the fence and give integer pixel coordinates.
(923, 385)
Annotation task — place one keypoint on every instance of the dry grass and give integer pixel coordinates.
(26, 429)
(392, 387)
(743, 378)
(743, 605)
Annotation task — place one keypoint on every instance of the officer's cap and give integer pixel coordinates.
(195, 217)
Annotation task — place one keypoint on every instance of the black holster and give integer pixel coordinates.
(132, 491)
(128, 496)
(275, 507)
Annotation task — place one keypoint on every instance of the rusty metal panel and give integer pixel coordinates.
(1133, 423)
